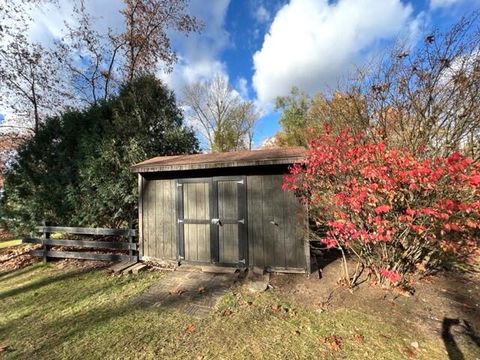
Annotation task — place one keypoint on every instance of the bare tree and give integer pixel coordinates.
(85, 65)
(225, 119)
(428, 96)
(422, 96)
(90, 57)
(30, 80)
(145, 40)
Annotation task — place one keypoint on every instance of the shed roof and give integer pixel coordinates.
(270, 156)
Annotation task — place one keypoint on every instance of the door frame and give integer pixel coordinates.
(214, 213)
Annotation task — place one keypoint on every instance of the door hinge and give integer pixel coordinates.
(242, 261)
(241, 221)
(180, 221)
(179, 185)
(240, 182)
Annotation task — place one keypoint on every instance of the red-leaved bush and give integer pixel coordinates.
(395, 210)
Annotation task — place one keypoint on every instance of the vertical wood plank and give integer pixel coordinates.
(278, 205)
(140, 215)
(168, 208)
(293, 242)
(269, 227)
(150, 212)
(203, 246)
(228, 205)
(255, 220)
(157, 219)
(186, 215)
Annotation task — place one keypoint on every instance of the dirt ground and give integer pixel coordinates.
(446, 305)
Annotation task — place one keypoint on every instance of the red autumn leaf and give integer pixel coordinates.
(334, 342)
(391, 275)
(190, 328)
(350, 187)
(382, 209)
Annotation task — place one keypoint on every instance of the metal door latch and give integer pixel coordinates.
(216, 222)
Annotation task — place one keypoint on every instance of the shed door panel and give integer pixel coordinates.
(228, 234)
(196, 215)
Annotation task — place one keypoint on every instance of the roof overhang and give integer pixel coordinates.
(264, 157)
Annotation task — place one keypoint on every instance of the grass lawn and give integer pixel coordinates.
(53, 313)
(9, 243)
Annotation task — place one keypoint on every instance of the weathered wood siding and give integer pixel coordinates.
(196, 206)
(158, 219)
(276, 224)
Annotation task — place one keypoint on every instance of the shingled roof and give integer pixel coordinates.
(270, 156)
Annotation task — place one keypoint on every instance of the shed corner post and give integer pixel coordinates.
(140, 216)
(306, 244)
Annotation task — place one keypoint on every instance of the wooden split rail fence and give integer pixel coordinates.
(129, 245)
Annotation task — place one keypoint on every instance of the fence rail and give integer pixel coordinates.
(47, 243)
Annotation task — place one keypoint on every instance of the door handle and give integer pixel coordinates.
(216, 222)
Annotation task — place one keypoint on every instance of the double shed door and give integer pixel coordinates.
(212, 220)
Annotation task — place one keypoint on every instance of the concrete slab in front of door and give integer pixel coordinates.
(194, 293)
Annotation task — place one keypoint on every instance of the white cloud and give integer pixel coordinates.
(242, 87)
(199, 53)
(49, 19)
(311, 43)
(435, 4)
(261, 14)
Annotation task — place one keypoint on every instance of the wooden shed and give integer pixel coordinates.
(223, 209)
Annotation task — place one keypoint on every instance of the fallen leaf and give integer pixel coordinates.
(334, 342)
(358, 338)
(410, 353)
(178, 291)
(227, 312)
(190, 328)
(276, 308)
(201, 290)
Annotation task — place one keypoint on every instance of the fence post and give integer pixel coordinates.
(130, 240)
(45, 236)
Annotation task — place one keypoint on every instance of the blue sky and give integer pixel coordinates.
(267, 46)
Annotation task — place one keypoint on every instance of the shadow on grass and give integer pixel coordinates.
(94, 318)
(35, 285)
(47, 324)
(10, 274)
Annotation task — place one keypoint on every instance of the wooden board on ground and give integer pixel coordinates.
(218, 269)
(119, 267)
(135, 269)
